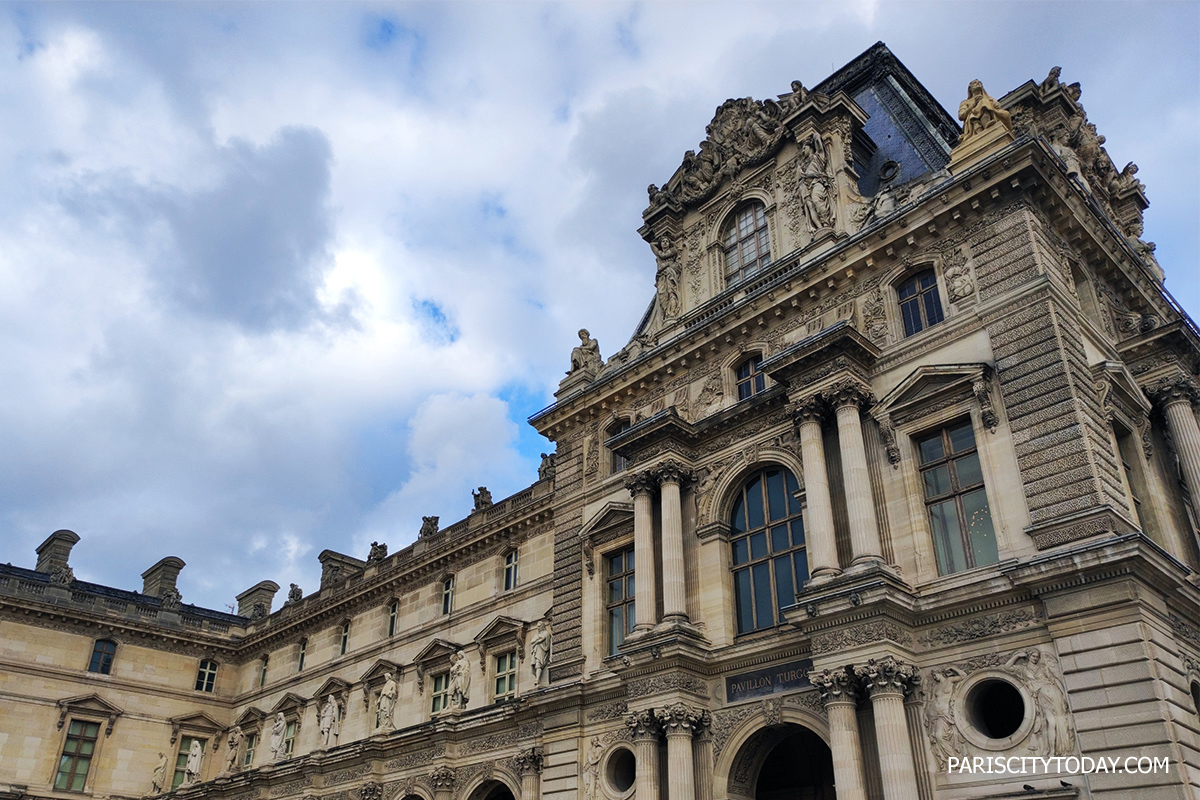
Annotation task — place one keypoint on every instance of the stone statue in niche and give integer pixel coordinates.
(158, 779)
(482, 498)
(539, 650)
(548, 466)
(813, 175)
(979, 112)
(1052, 727)
(944, 735)
(330, 722)
(278, 731)
(667, 277)
(295, 594)
(1061, 147)
(591, 769)
(195, 760)
(587, 354)
(460, 680)
(387, 702)
(234, 742)
(378, 552)
(429, 526)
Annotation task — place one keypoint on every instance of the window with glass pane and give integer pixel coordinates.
(289, 737)
(102, 656)
(747, 244)
(959, 518)
(393, 613)
(749, 380)
(441, 693)
(185, 747)
(770, 562)
(920, 305)
(344, 641)
(619, 462)
(300, 656)
(76, 756)
(206, 676)
(622, 614)
(506, 675)
(262, 673)
(510, 571)
(448, 595)
(248, 751)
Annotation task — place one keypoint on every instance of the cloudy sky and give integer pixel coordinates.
(279, 278)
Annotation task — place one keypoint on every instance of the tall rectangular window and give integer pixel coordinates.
(185, 747)
(301, 654)
(344, 641)
(441, 693)
(619, 462)
(1132, 472)
(248, 750)
(102, 656)
(448, 595)
(622, 614)
(959, 517)
(506, 676)
(769, 556)
(77, 756)
(206, 676)
(262, 672)
(920, 305)
(510, 571)
(393, 614)
(289, 738)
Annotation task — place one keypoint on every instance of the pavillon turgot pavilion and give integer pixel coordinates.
(901, 466)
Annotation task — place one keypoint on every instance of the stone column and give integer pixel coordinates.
(848, 398)
(645, 728)
(1177, 400)
(679, 722)
(529, 767)
(641, 486)
(839, 690)
(670, 476)
(887, 681)
(442, 780)
(702, 752)
(822, 547)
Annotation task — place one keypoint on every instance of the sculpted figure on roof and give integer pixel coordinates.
(979, 112)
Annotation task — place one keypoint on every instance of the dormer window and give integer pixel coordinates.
(619, 462)
(749, 380)
(747, 243)
(920, 304)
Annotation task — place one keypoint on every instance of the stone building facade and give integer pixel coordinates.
(900, 467)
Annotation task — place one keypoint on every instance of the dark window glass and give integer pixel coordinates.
(769, 559)
(76, 756)
(102, 656)
(619, 462)
(749, 380)
(620, 606)
(206, 676)
(959, 517)
(920, 305)
(747, 243)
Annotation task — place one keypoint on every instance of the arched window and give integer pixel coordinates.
(510, 571)
(619, 462)
(206, 676)
(749, 380)
(920, 304)
(747, 243)
(448, 595)
(102, 656)
(769, 558)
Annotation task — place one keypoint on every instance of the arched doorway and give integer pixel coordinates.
(493, 790)
(782, 762)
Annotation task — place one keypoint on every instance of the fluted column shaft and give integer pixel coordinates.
(860, 504)
(529, 765)
(839, 691)
(1186, 434)
(822, 547)
(679, 723)
(645, 751)
(642, 486)
(887, 681)
(674, 571)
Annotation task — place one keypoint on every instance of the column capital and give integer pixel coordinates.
(529, 761)
(671, 471)
(835, 686)
(681, 720)
(442, 779)
(849, 392)
(887, 675)
(808, 409)
(641, 483)
(1169, 391)
(643, 725)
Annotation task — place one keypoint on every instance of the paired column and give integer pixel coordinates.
(848, 398)
(839, 690)
(822, 547)
(645, 729)
(679, 723)
(1177, 401)
(529, 767)
(670, 476)
(886, 681)
(641, 486)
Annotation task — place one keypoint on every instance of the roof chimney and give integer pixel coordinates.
(161, 576)
(260, 593)
(53, 553)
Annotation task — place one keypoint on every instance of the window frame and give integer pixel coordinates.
(511, 569)
(507, 673)
(957, 490)
(920, 297)
(344, 638)
(179, 773)
(756, 236)
(617, 463)
(448, 592)
(627, 604)
(206, 675)
(301, 653)
(393, 614)
(264, 662)
(291, 732)
(106, 661)
(439, 693)
(75, 757)
(755, 381)
(249, 749)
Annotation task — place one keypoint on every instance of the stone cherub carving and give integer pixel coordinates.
(195, 761)
(979, 112)
(667, 277)
(944, 735)
(540, 644)
(330, 722)
(278, 730)
(460, 680)
(1052, 726)
(429, 526)
(387, 703)
(483, 498)
(158, 779)
(587, 354)
(378, 552)
(234, 742)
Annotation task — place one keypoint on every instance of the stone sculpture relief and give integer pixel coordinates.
(460, 680)
(234, 743)
(158, 779)
(591, 768)
(957, 273)
(386, 706)
(378, 552)
(815, 185)
(171, 599)
(980, 112)
(278, 730)
(587, 354)
(429, 527)
(540, 644)
(330, 722)
(63, 576)
(1051, 728)
(944, 736)
(667, 276)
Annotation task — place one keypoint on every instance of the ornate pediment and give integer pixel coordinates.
(933, 387)
(289, 702)
(608, 522)
(335, 686)
(198, 722)
(251, 718)
(378, 670)
(433, 658)
(88, 705)
(501, 632)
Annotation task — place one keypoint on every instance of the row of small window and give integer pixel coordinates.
(104, 652)
(769, 559)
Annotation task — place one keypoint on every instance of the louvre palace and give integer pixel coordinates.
(896, 481)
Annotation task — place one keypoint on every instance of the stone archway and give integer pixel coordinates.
(492, 790)
(782, 762)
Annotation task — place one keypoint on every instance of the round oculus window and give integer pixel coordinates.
(995, 708)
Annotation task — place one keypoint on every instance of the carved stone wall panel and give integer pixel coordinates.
(567, 620)
(980, 627)
(866, 633)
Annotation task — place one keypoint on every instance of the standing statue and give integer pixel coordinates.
(944, 735)
(591, 769)
(278, 730)
(231, 754)
(813, 175)
(158, 780)
(483, 498)
(195, 758)
(667, 278)
(1052, 723)
(539, 650)
(330, 727)
(587, 354)
(387, 703)
(460, 680)
(979, 112)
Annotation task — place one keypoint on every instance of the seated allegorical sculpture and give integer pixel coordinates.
(979, 112)
(587, 354)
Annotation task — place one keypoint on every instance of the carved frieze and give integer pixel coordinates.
(866, 633)
(981, 627)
